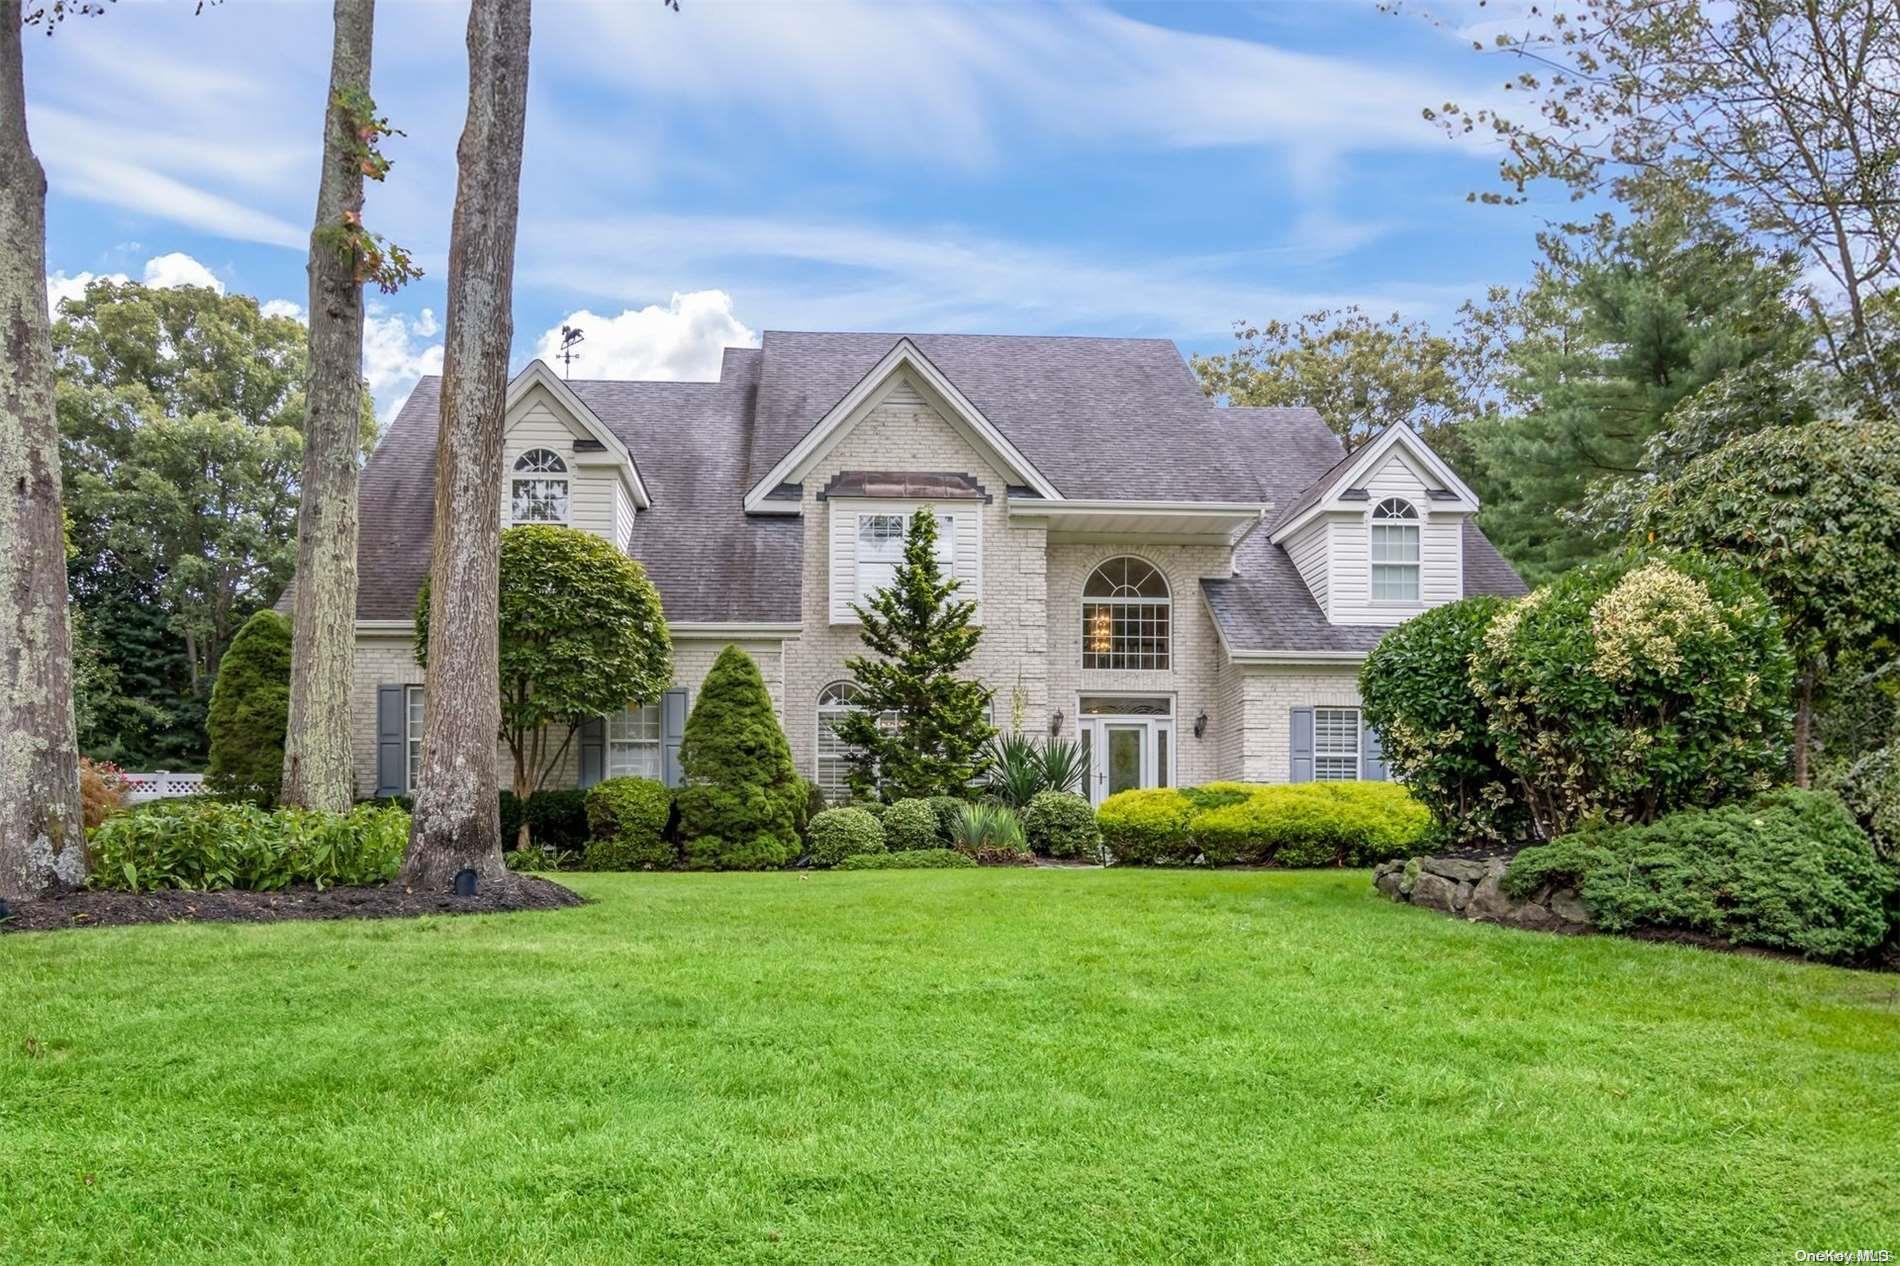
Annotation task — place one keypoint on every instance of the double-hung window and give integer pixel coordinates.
(1335, 744)
(633, 742)
(1394, 551)
(880, 548)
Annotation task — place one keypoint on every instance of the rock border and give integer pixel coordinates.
(1473, 889)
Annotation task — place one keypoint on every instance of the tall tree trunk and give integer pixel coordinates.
(42, 836)
(1803, 724)
(457, 807)
(317, 767)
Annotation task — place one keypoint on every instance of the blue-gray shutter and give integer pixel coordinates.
(1371, 756)
(593, 751)
(1302, 746)
(672, 730)
(392, 756)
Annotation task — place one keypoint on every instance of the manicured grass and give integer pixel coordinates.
(994, 1066)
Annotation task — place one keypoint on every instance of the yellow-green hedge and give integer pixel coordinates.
(1291, 824)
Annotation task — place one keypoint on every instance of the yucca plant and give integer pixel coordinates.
(1014, 769)
(1065, 764)
(989, 832)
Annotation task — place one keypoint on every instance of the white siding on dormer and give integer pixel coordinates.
(623, 515)
(1307, 549)
(1440, 548)
(842, 526)
(591, 489)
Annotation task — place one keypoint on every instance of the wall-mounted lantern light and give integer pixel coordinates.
(1055, 724)
(1200, 724)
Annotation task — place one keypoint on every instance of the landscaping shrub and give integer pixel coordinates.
(1147, 827)
(1790, 871)
(1636, 687)
(1062, 824)
(1018, 768)
(1281, 824)
(915, 859)
(1871, 790)
(627, 818)
(990, 833)
(739, 800)
(875, 808)
(1434, 727)
(840, 833)
(808, 803)
(102, 791)
(948, 810)
(909, 825)
(250, 709)
(220, 844)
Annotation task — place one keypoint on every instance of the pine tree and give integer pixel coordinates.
(739, 790)
(922, 727)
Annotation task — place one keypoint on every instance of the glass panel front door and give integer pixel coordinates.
(1124, 756)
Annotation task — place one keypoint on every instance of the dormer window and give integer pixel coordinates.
(1394, 551)
(540, 488)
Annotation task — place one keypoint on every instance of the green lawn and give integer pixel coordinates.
(995, 1066)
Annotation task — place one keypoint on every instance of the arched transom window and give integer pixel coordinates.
(834, 755)
(539, 494)
(1125, 616)
(1394, 551)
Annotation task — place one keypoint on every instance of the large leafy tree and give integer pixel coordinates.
(1813, 512)
(1361, 373)
(581, 635)
(1620, 326)
(922, 728)
(181, 413)
(1782, 117)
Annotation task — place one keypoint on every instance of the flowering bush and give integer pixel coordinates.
(1636, 687)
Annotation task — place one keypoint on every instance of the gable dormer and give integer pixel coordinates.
(560, 463)
(1380, 537)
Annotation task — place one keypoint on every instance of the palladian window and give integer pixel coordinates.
(1125, 616)
(1394, 551)
(539, 494)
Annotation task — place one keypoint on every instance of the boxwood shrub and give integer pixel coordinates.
(840, 833)
(914, 859)
(628, 818)
(1061, 824)
(1790, 870)
(911, 825)
(1283, 824)
(213, 844)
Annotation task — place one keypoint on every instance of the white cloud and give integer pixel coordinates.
(282, 308)
(684, 340)
(179, 269)
(60, 287)
(396, 352)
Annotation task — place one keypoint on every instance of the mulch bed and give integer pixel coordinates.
(105, 908)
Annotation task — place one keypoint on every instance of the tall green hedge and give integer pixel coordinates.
(250, 709)
(1281, 824)
(628, 819)
(739, 798)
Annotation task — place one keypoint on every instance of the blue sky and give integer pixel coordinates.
(693, 178)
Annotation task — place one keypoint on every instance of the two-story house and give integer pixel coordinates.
(1187, 589)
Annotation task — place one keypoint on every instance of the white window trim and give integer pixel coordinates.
(1166, 604)
(1416, 522)
(413, 703)
(565, 474)
(629, 717)
(1358, 744)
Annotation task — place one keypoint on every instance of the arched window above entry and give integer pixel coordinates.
(540, 492)
(1393, 550)
(1126, 612)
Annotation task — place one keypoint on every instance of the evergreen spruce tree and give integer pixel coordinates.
(739, 792)
(250, 708)
(922, 728)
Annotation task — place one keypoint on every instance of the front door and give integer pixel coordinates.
(1126, 753)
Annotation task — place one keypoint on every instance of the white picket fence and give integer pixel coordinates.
(161, 786)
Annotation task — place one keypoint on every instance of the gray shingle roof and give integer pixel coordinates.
(1108, 418)
(1265, 606)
